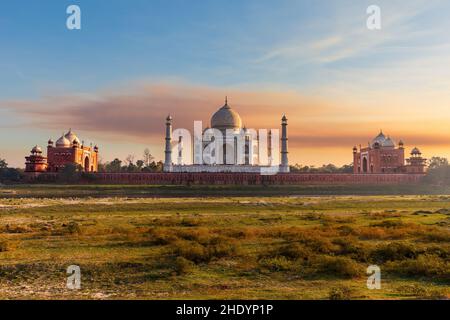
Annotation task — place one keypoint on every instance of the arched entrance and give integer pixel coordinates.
(364, 165)
(86, 164)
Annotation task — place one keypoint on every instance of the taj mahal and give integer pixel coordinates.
(226, 146)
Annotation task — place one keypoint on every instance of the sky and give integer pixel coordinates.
(133, 62)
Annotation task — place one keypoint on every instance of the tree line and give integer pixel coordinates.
(8, 174)
(326, 168)
(146, 164)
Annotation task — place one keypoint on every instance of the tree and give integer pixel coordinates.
(3, 164)
(114, 166)
(437, 162)
(70, 173)
(326, 168)
(148, 158)
(140, 164)
(9, 174)
(438, 172)
(129, 160)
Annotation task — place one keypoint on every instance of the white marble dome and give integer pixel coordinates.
(379, 139)
(226, 118)
(36, 149)
(63, 142)
(388, 143)
(72, 137)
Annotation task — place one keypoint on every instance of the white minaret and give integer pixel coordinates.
(168, 151)
(284, 167)
(270, 149)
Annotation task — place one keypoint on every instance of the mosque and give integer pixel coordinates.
(240, 150)
(383, 156)
(67, 149)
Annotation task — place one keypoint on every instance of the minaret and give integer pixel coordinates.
(284, 167)
(269, 143)
(168, 151)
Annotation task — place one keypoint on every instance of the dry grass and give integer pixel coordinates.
(271, 248)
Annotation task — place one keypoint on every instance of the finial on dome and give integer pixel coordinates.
(226, 100)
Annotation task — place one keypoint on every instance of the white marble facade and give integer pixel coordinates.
(227, 146)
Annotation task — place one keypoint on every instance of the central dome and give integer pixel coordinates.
(226, 118)
(379, 139)
(72, 137)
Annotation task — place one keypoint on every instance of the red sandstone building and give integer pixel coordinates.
(67, 150)
(382, 156)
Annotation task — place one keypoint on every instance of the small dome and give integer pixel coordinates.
(416, 151)
(226, 118)
(72, 137)
(50, 141)
(36, 149)
(388, 143)
(380, 138)
(63, 142)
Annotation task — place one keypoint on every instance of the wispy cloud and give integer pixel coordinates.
(345, 35)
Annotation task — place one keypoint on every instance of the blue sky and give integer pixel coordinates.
(316, 49)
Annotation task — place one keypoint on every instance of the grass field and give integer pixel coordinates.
(131, 245)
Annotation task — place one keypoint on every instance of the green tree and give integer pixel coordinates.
(3, 164)
(438, 172)
(437, 162)
(140, 164)
(70, 173)
(114, 166)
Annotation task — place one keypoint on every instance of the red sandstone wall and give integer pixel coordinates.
(246, 178)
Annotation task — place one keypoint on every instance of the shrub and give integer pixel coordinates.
(222, 249)
(340, 293)
(183, 266)
(202, 246)
(437, 235)
(341, 267)
(424, 266)
(293, 251)
(389, 224)
(17, 229)
(191, 250)
(421, 292)
(393, 251)
(200, 235)
(162, 236)
(187, 222)
(351, 247)
(4, 246)
(276, 264)
(74, 228)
